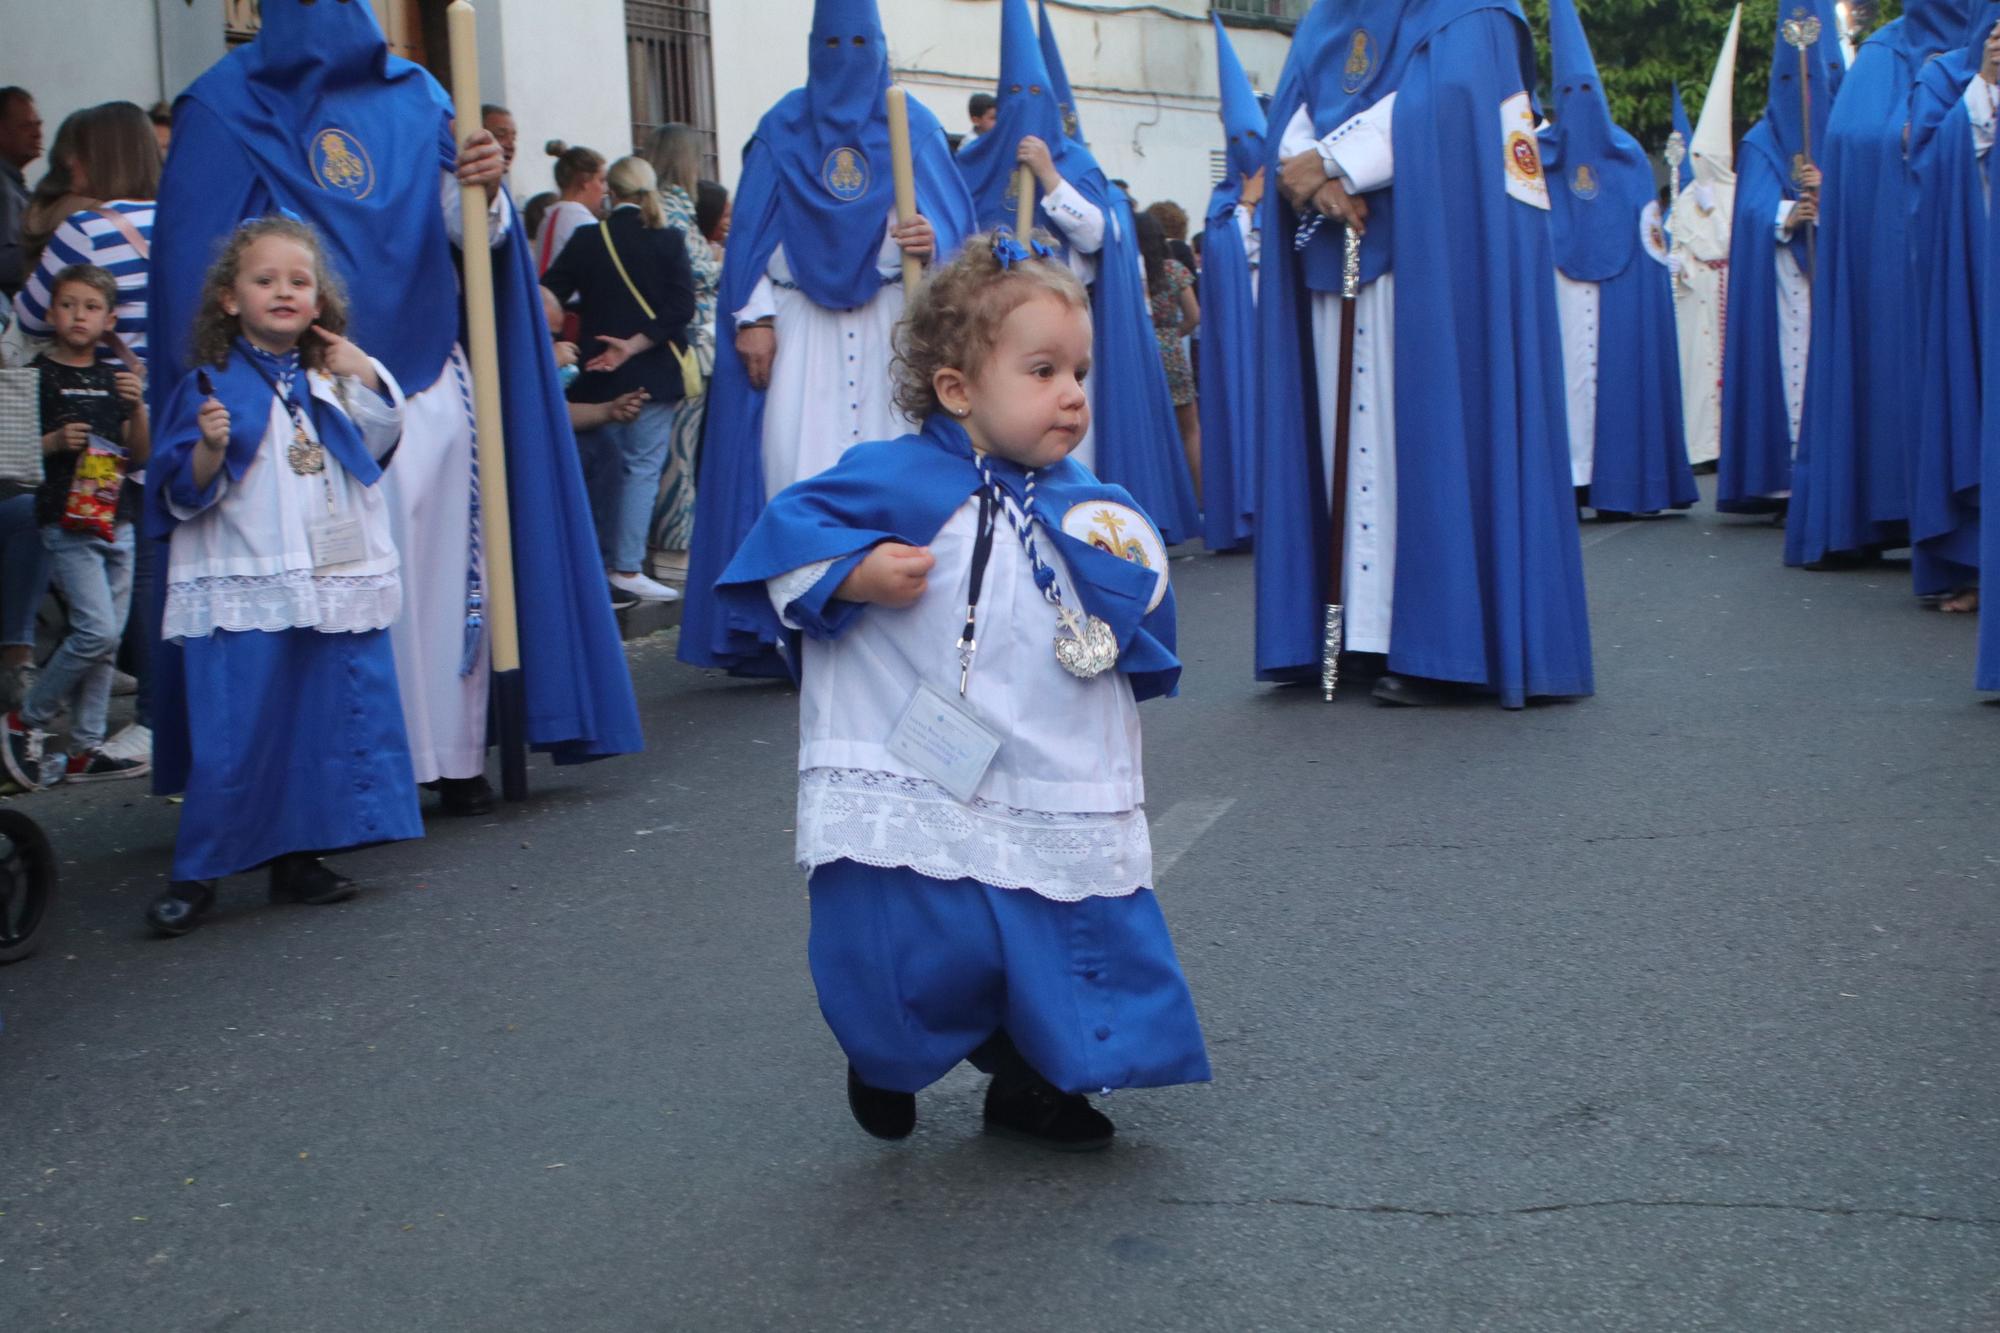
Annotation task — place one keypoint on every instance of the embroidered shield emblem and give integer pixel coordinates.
(1583, 182)
(341, 164)
(1122, 531)
(845, 174)
(1360, 61)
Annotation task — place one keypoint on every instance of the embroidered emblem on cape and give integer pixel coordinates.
(1525, 180)
(1583, 182)
(341, 164)
(1124, 532)
(1360, 61)
(1652, 232)
(1069, 121)
(845, 174)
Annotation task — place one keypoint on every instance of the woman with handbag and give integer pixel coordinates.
(636, 291)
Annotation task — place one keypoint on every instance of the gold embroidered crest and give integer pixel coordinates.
(1360, 61)
(1122, 531)
(341, 164)
(845, 173)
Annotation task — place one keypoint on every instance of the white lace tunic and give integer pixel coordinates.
(244, 561)
(1059, 813)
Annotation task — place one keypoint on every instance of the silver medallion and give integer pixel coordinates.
(1085, 646)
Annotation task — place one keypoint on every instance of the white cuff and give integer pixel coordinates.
(763, 303)
(1080, 221)
(789, 587)
(1362, 150)
(1980, 97)
(1785, 207)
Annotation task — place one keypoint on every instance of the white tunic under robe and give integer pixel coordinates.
(1577, 312)
(1701, 222)
(429, 489)
(1794, 327)
(1362, 152)
(833, 378)
(1081, 224)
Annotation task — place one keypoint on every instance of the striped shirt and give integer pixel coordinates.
(89, 237)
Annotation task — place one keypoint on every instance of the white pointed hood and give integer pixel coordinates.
(1713, 152)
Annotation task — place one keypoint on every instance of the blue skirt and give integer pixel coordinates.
(914, 973)
(297, 745)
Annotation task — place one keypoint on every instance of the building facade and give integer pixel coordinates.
(605, 72)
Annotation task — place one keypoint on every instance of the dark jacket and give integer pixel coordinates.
(657, 260)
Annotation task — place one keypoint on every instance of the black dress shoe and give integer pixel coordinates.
(464, 796)
(181, 908)
(886, 1115)
(304, 878)
(1416, 692)
(1021, 1104)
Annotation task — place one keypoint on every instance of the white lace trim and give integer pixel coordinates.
(292, 599)
(788, 587)
(885, 819)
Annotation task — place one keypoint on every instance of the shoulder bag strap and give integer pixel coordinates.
(131, 233)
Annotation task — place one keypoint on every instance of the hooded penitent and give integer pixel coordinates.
(1488, 576)
(1756, 459)
(1229, 320)
(316, 119)
(817, 180)
(1702, 212)
(1058, 75)
(1605, 222)
(1851, 477)
(1132, 415)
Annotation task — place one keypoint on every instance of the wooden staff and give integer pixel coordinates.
(1803, 33)
(905, 172)
(1336, 525)
(483, 346)
(1024, 202)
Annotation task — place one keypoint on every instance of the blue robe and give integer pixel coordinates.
(782, 200)
(1947, 227)
(1489, 570)
(1756, 462)
(1228, 374)
(1132, 410)
(1850, 480)
(1600, 188)
(240, 129)
(915, 974)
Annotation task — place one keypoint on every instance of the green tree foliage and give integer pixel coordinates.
(1643, 46)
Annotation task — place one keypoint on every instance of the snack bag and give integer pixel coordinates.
(92, 507)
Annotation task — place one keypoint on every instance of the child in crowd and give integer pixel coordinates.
(281, 718)
(94, 431)
(970, 786)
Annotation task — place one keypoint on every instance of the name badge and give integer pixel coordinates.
(942, 740)
(336, 541)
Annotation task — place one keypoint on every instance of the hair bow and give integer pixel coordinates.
(1009, 251)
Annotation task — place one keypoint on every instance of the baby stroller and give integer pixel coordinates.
(27, 884)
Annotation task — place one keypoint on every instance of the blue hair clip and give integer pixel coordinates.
(1007, 250)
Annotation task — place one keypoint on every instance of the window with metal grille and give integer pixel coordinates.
(1275, 13)
(671, 60)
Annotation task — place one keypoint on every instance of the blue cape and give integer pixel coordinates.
(1850, 479)
(1987, 673)
(1132, 410)
(1601, 195)
(903, 490)
(1489, 571)
(729, 494)
(234, 163)
(1228, 376)
(1947, 230)
(1756, 460)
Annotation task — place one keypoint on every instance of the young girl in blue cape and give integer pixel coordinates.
(975, 619)
(282, 582)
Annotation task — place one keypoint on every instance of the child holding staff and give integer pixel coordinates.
(980, 618)
(282, 581)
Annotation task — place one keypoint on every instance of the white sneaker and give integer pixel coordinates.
(645, 589)
(131, 742)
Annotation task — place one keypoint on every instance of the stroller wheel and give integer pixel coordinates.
(27, 884)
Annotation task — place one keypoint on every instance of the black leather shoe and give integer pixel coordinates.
(1021, 1104)
(463, 796)
(304, 878)
(885, 1114)
(181, 908)
(1415, 692)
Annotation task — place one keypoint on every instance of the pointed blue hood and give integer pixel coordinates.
(830, 143)
(1058, 75)
(1931, 26)
(1685, 177)
(1243, 121)
(1027, 106)
(1825, 65)
(1600, 176)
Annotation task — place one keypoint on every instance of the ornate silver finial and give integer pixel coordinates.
(1801, 30)
(1677, 150)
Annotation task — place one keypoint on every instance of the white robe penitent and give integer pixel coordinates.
(1701, 307)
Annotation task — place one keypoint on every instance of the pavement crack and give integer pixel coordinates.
(1530, 1210)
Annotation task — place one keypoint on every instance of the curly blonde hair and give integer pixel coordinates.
(216, 330)
(954, 318)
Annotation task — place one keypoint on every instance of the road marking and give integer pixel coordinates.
(1181, 828)
(1606, 533)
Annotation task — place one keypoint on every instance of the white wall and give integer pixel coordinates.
(76, 53)
(1144, 81)
(562, 73)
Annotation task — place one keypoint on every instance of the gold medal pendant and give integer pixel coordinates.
(306, 455)
(1085, 646)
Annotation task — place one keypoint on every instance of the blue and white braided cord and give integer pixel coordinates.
(475, 593)
(1024, 528)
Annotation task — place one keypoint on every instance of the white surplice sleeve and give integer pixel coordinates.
(1361, 149)
(1979, 108)
(499, 213)
(1080, 221)
(379, 419)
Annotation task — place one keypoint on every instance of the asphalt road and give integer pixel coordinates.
(1673, 1009)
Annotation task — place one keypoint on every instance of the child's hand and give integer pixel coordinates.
(892, 575)
(1034, 154)
(66, 439)
(346, 360)
(625, 407)
(214, 422)
(565, 354)
(131, 388)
